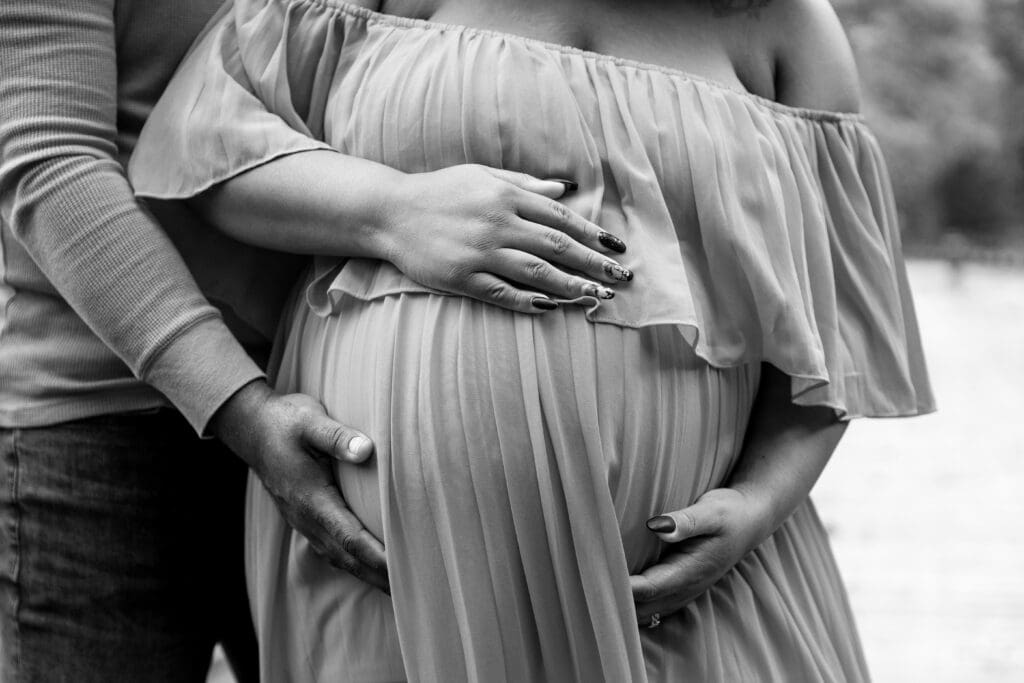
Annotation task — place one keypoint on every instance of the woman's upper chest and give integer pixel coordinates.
(420, 95)
(733, 48)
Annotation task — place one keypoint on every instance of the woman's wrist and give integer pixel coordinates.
(768, 508)
(382, 200)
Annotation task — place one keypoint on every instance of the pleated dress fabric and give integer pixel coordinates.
(519, 456)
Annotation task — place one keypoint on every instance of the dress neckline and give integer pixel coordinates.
(369, 15)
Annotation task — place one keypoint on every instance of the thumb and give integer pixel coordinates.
(337, 440)
(697, 520)
(552, 188)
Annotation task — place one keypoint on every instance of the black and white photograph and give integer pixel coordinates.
(511, 341)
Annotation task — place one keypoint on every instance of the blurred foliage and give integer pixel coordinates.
(943, 86)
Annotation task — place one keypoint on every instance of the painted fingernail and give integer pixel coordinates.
(543, 304)
(614, 270)
(599, 292)
(570, 185)
(662, 524)
(611, 241)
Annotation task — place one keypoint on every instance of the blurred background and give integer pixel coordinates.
(927, 514)
(943, 85)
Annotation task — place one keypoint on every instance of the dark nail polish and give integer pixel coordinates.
(570, 185)
(543, 304)
(611, 241)
(662, 524)
(614, 270)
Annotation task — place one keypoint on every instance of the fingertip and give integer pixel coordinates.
(543, 303)
(641, 588)
(557, 188)
(359, 449)
(569, 186)
(611, 242)
(662, 524)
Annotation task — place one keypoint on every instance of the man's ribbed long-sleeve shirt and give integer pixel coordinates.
(97, 307)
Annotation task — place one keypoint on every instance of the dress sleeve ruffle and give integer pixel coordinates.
(781, 246)
(799, 229)
(228, 110)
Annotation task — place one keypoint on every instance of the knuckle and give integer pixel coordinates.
(336, 437)
(477, 177)
(351, 566)
(302, 503)
(454, 274)
(560, 242)
(508, 189)
(302, 410)
(320, 523)
(559, 211)
(349, 543)
(299, 421)
(497, 291)
(537, 270)
(502, 193)
(588, 229)
(646, 591)
(687, 524)
(495, 215)
(479, 240)
(717, 514)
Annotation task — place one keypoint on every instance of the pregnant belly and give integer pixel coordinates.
(495, 423)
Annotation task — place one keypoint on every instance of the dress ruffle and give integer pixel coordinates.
(765, 233)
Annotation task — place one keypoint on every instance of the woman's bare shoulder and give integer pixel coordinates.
(372, 5)
(814, 64)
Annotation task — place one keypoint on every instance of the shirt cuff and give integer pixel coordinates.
(200, 370)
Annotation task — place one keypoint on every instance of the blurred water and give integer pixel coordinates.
(927, 514)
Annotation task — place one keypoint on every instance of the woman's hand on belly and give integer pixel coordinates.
(494, 235)
(708, 539)
(497, 236)
(784, 451)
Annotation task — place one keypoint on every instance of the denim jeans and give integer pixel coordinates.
(120, 552)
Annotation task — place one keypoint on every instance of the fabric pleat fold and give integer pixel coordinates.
(763, 232)
(518, 457)
(511, 486)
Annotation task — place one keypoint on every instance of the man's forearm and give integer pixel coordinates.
(68, 203)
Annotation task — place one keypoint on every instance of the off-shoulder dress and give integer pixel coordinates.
(519, 456)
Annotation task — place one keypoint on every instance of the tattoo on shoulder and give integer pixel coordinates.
(723, 8)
